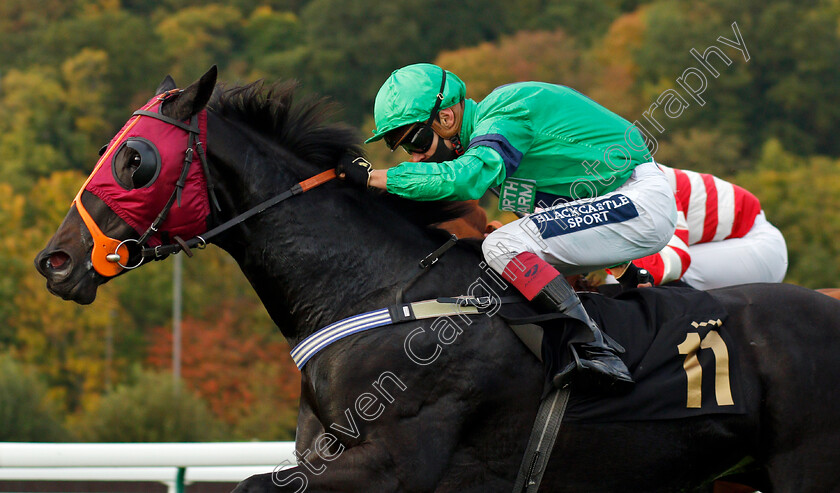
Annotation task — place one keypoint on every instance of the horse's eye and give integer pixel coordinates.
(139, 157)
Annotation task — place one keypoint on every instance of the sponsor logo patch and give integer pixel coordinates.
(577, 216)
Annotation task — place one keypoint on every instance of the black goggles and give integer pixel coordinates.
(419, 137)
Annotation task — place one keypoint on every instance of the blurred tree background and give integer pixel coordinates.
(72, 71)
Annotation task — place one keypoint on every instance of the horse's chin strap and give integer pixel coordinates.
(200, 241)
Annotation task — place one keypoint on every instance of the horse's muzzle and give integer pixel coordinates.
(64, 279)
(55, 265)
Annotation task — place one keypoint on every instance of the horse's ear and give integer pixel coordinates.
(167, 84)
(194, 98)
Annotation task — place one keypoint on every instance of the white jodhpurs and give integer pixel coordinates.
(635, 220)
(759, 256)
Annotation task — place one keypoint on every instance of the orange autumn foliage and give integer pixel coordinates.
(234, 367)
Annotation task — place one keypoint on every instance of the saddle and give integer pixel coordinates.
(678, 351)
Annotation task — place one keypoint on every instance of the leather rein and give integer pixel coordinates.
(200, 241)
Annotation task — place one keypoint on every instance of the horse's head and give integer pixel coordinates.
(145, 190)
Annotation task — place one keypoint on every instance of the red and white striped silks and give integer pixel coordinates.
(709, 209)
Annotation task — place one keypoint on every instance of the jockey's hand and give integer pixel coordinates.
(645, 279)
(354, 171)
(630, 276)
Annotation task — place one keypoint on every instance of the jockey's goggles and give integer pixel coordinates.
(414, 138)
(417, 138)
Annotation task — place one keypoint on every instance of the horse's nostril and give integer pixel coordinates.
(57, 260)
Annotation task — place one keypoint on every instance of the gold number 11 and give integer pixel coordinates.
(694, 372)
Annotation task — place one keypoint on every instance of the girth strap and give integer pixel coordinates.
(541, 442)
(404, 312)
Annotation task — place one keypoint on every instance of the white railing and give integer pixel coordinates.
(173, 464)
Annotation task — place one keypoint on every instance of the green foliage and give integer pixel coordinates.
(546, 56)
(583, 19)
(708, 151)
(353, 45)
(197, 37)
(152, 409)
(25, 415)
(784, 91)
(267, 423)
(801, 196)
(28, 136)
(270, 43)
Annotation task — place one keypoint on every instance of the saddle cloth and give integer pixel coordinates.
(678, 350)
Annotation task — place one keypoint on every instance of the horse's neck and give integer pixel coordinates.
(317, 257)
(311, 271)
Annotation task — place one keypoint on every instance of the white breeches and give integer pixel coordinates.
(759, 256)
(635, 220)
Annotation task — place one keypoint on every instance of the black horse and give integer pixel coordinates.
(452, 410)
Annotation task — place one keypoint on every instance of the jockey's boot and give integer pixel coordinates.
(595, 361)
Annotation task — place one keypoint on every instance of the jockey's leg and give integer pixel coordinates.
(760, 256)
(635, 220)
(594, 360)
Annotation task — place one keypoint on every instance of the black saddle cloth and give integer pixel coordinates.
(678, 350)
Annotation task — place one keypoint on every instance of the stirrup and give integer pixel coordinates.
(589, 375)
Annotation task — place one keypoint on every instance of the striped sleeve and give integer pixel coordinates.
(670, 263)
(714, 209)
(708, 209)
(747, 208)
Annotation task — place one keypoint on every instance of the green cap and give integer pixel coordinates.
(408, 96)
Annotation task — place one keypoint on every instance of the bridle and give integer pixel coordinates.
(110, 256)
(200, 241)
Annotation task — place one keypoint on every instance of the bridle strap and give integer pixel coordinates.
(211, 187)
(103, 245)
(194, 131)
(201, 241)
(182, 179)
(192, 128)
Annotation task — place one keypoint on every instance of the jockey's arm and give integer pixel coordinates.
(379, 179)
(466, 177)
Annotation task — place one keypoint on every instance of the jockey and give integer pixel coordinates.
(722, 237)
(604, 200)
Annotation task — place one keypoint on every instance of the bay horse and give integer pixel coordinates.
(457, 417)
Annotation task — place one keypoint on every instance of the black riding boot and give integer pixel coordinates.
(595, 361)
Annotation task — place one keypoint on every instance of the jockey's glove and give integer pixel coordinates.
(633, 276)
(354, 171)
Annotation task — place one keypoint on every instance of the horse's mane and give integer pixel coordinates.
(303, 127)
